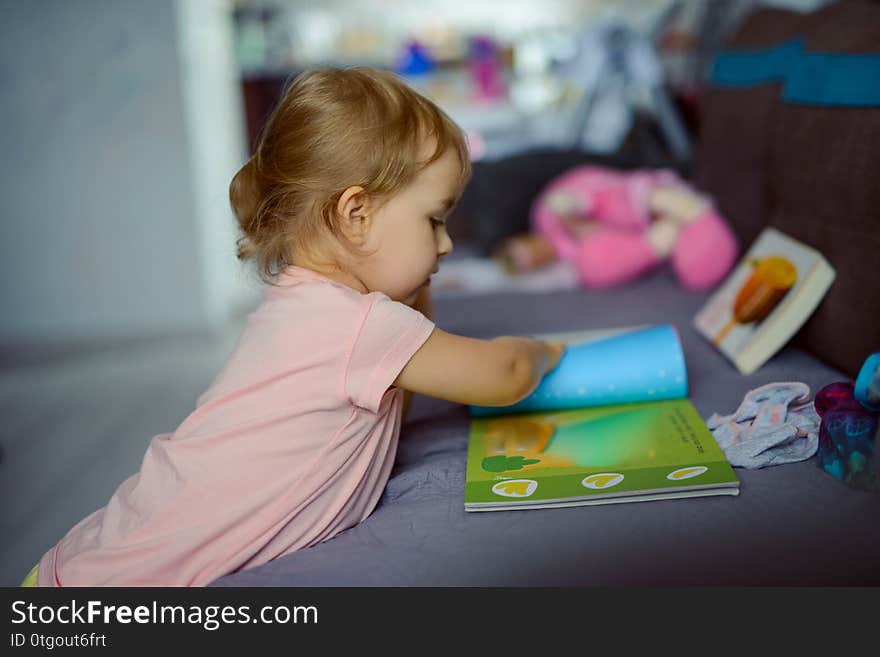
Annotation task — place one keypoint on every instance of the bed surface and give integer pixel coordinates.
(791, 524)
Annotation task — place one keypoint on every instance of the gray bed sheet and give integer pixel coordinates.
(791, 524)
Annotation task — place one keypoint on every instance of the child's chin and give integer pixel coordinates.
(412, 298)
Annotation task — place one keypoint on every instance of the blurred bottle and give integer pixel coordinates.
(848, 437)
(486, 69)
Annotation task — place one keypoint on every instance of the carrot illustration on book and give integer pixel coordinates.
(772, 278)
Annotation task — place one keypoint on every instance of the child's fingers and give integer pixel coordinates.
(555, 350)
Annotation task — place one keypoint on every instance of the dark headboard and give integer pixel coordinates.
(785, 151)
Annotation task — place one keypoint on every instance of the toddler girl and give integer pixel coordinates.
(343, 208)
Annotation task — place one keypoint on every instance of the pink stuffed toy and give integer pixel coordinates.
(617, 225)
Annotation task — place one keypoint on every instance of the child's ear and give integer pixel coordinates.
(352, 214)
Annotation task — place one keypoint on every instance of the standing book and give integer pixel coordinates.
(610, 424)
(765, 300)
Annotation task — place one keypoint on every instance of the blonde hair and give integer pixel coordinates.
(332, 129)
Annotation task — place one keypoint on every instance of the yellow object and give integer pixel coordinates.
(31, 579)
(771, 279)
(602, 481)
(681, 474)
(515, 488)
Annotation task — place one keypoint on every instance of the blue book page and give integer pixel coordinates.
(619, 366)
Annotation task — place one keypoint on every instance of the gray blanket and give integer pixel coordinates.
(791, 524)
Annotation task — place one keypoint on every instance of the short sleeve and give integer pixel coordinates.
(384, 341)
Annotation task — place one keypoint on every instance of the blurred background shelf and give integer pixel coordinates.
(126, 121)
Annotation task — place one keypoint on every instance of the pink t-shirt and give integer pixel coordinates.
(292, 443)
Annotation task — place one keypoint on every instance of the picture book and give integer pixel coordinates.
(765, 300)
(610, 424)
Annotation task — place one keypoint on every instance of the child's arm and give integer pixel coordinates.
(424, 305)
(495, 372)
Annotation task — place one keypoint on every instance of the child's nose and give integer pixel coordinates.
(444, 246)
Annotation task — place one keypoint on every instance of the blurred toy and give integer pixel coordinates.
(485, 69)
(616, 225)
(867, 386)
(848, 434)
(415, 60)
(528, 252)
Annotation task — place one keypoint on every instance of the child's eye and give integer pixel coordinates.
(436, 222)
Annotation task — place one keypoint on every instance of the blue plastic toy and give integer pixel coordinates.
(415, 60)
(848, 434)
(867, 388)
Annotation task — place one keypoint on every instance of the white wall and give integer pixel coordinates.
(117, 149)
(215, 122)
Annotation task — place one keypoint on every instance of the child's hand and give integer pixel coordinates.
(544, 356)
(555, 351)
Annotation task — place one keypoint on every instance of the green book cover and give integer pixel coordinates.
(598, 455)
